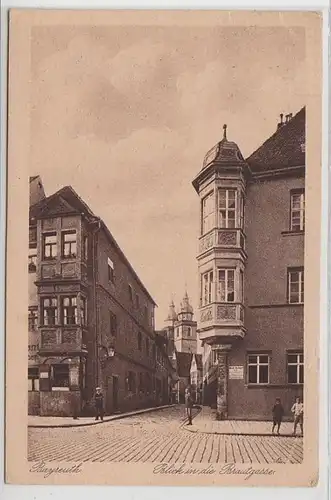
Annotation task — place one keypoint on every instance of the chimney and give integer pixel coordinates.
(281, 123)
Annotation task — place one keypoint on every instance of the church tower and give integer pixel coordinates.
(185, 328)
(221, 186)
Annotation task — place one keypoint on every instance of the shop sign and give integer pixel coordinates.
(236, 372)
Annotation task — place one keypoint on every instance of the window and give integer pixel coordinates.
(137, 301)
(33, 320)
(83, 310)
(69, 245)
(298, 211)
(32, 260)
(49, 310)
(225, 290)
(112, 324)
(110, 270)
(49, 246)
(131, 382)
(33, 379)
(60, 376)
(295, 368)
(296, 286)
(258, 369)
(208, 213)
(146, 313)
(154, 351)
(85, 248)
(69, 310)
(130, 293)
(214, 357)
(139, 341)
(207, 287)
(188, 331)
(227, 207)
(141, 381)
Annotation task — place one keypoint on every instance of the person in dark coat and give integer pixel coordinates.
(98, 401)
(277, 414)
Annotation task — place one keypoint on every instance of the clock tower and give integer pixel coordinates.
(185, 328)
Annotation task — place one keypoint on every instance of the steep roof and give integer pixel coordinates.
(284, 149)
(66, 201)
(183, 363)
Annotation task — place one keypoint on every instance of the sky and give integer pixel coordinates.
(125, 115)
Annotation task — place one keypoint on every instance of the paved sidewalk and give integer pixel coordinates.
(38, 422)
(205, 423)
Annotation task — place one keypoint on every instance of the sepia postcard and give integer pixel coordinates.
(163, 248)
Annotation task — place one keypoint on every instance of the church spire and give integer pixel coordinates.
(172, 315)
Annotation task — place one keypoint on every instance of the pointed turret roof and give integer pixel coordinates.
(185, 306)
(172, 315)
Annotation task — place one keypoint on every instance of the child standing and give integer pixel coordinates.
(277, 414)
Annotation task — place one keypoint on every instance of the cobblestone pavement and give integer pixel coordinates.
(157, 437)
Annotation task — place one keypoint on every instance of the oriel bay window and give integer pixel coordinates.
(69, 310)
(296, 285)
(33, 319)
(227, 208)
(33, 378)
(49, 246)
(297, 222)
(225, 285)
(207, 288)
(69, 245)
(208, 213)
(49, 311)
(258, 368)
(295, 368)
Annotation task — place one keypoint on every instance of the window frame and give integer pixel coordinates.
(83, 310)
(210, 288)
(301, 283)
(52, 245)
(70, 243)
(74, 307)
(111, 273)
(32, 259)
(301, 210)
(33, 379)
(227, 208)
(299, 354)
(56, 386)
(207, 221)
(226, 285)
(33, 315)
(54, 308)
(112, 324)
(258, 363)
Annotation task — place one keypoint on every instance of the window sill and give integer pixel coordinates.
(292, 233)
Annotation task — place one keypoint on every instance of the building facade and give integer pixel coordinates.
(251, 267)
(91, 320)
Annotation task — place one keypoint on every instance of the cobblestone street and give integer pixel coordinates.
(158, 436)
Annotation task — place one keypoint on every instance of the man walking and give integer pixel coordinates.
(98, 401)
(297, 409)
(188, 404)
(277, 414)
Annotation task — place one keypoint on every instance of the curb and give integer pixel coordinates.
(263, 434)
(98, 422)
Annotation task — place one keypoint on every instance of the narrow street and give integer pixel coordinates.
(158, 436)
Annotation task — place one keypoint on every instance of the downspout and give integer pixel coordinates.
(95, 269)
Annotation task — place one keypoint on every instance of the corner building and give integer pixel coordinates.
(91, 319)
(251, 267)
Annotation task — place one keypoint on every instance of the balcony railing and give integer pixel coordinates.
(222, 238)
(222, 313)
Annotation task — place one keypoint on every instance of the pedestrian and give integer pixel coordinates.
(297, 410)
(277, 414)
(98, 401)
(188, 404)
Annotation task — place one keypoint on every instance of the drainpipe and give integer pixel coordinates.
(95, 267)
